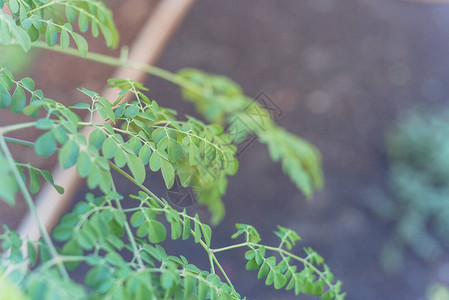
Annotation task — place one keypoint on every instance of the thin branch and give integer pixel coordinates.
(117, 62)
(31, 206)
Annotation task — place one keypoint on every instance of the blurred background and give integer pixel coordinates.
(346, 75)
(364, 81)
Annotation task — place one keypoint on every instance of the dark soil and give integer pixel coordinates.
(341, 72)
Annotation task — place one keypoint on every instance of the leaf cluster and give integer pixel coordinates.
(222, 101)
(31, 19)
(121, 250)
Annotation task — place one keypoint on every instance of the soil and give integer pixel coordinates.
(341, 72)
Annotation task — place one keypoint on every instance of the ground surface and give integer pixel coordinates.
(341, 72)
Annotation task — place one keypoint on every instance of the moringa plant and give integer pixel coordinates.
(119, 249)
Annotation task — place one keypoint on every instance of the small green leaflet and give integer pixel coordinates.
(51, 35)
(156, 232)
(109, 148)
(35, 183)
(5, 97)
(69, 154)
(18, 100)
(81, 43)
(45, 145)
(168, 172)
(83, 164)
(136, 166)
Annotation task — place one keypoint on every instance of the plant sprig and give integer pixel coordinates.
(123, 248)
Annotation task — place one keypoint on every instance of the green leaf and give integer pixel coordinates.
(70, 14)
(97, 138)
(5, 33)
(83, 22)
(135, 144)
(94, 28)
(32, 253)
(5, 97)
(106, 109)
(6, 82)
(33, 33)
(64, 39)
(131, 111)
(264, 269)
(279, 280)
(252, 265)
(166, 280)
(35, 182)
(14, 6)
(83, 164)
(186, 228)
(69, 154)
(194, 156)
(62, 232)
(156, 231)
(21, 37)
(137, 167)
(145, 154)
(168, 173)
(45, 145)
(8, 183)
(202, 289)
(197, 229)
(137, 218)
(28, 83)
(49, 178)
(81, 43)
(207, 233)
(105, 181)
(189, 283)
(109, 148)
(120, 158)
(155, 162)
(176, 230)
(18, 100)
(174, 150)
(51, 35)
(81, 105)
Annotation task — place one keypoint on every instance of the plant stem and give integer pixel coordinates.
(209, 251)
(19, 142)
(117, 62)
(31, 206)
(230, 247)
(211, 258)
(280, 251)
(130, 235)
(223, 271)
(133, 241)
(15, 127)
(142, 187)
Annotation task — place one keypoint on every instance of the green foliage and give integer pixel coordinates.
(8, 184)
(123, 249)
(222, 101)
(308, 280)
(418, 178)
(34, 18)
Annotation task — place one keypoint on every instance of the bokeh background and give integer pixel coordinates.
(345, 74)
